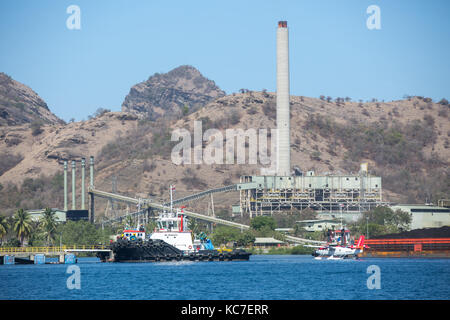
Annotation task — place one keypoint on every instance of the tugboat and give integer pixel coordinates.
(339, 246)
(170, 241)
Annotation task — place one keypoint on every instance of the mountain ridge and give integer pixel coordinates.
(168, 94)
(406, 142)
(19, 104)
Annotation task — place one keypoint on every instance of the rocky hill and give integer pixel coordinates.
(180, 91)
(19, 104)
(406, 142)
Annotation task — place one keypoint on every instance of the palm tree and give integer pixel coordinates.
(194, 226)
(22, 224)
(49, 224)
(4, 227)
(129, 222)
(152, 225)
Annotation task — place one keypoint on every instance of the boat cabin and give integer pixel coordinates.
(131, 234)
(341, 237)
(169, 222)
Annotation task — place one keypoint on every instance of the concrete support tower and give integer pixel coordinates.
(91, 172)
(283, 108)
(65, 185)
(91, 186)
(73, 185)
(83, 166)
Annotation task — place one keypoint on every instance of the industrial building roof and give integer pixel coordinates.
(267, 241)
(424, 207)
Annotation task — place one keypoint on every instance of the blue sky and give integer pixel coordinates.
(121, 43)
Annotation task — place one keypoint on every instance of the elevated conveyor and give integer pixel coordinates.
(202, 194)
(149, 204)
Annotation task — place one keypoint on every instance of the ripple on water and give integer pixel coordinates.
(263, 277)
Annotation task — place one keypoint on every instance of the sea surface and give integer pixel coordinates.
(264, 277)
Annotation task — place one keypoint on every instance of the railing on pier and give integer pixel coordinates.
(49, 249)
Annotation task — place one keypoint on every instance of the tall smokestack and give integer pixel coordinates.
(73, 185)
(283, 113)
(65, 185)
(83, 166)
(91, 172)
(91, 186)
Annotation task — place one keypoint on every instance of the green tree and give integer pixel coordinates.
(263, 226)
(129, 222)
(196, 227)
(443, 101)
(386, 216)
(22, 224)
(382, 220)
(49, 225)
(101, 111)
(4, 227)
(150, 226)
(185, 109)
(263, 222)
(223, 234)
(82, 233)
(245, 238)
(37, 237)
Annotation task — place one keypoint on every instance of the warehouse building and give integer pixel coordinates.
(425, 216)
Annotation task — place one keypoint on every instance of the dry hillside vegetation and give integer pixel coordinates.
(406, 142)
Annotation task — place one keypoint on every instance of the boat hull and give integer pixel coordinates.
(160, 251)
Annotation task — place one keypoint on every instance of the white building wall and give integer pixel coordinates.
(424, 219)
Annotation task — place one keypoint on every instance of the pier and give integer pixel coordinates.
(28, 254)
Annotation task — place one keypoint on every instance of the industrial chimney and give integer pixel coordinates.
(65, 185)
(283, 113)
(73, 185)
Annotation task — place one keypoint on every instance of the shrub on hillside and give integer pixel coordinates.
(8, 161)
(36, 128)
(395, 147)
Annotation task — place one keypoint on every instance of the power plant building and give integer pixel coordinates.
(263, 195)
(329, 195)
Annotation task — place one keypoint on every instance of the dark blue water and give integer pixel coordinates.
(263, 277)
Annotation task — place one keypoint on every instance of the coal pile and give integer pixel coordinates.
(442, 232)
